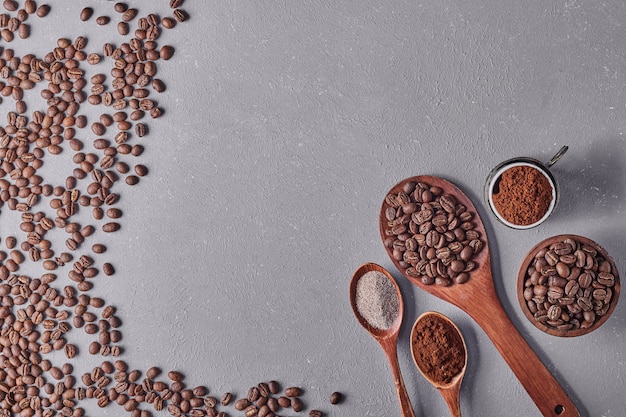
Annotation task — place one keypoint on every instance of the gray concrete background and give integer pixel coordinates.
(286, 123)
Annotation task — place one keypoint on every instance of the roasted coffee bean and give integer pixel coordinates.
(296, 404)
(129, 14)
(253, 394)
(111, 227)
(293, 392)
(98, 128)
(180, 15)
(86, 13)
(103, 20)
(241, 404)
(226, 398)
(43, 10)
(108, 269)
(168, 22)
(140, 129)
(166, 52)
(336, 397)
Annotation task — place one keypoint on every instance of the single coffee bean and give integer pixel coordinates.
(296, 404)
(114, 213)
(168, 22)
(141, 170)
(86, 13)
(103, 20)
(274, 387)
(110, 227)
(129, 14)
(167, 52)
(123, 28)
(241, 404)
(140, 129)
(120, 7)
(108, 269)
(98, 128)
(336, 397)
(10, 5)
(180, 15)
(293, 392)
(226, 398)
(23, 31)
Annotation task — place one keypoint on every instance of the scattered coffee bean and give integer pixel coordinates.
(123, 28)
(108, 269)
(180, 15)
(120, 7)
(168, 22)
(226, 398)
(111, 227)
(166, 52)
(103, 20)
(336, 397)
(297, 404)
(86, 13)
(293, 392)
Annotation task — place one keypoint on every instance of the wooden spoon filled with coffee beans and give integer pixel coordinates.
(433, 234)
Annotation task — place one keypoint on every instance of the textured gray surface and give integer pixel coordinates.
(285, 125)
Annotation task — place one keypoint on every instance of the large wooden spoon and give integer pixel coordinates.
(478, 298)
(387, 338)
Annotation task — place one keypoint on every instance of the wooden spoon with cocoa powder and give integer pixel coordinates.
(445, 363)
(478, 298)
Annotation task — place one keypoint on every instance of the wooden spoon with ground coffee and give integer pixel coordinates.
(427, 225)
(440, 354)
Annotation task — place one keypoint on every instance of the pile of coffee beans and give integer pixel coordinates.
(40, 310)
(430, 235)
(569, 285)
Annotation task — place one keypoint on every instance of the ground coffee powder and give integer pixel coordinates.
(523, 195)
(438, 349)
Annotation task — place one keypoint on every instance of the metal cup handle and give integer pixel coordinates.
(557, 156)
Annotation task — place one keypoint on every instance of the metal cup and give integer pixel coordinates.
(493, 181)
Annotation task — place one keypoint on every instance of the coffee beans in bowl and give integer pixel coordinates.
(568, 285)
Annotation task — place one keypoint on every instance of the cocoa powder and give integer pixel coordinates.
(438, 349)
(523, 195)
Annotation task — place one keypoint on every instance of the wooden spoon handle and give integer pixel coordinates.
(452, 397)
(541, 386)
(390, 348)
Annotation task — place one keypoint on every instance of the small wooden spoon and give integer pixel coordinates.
(451, 392)
(478, 298)
(388, 339)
